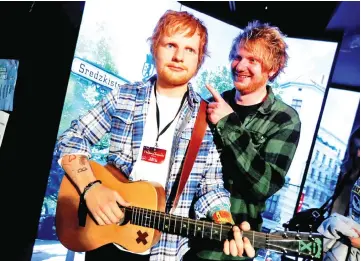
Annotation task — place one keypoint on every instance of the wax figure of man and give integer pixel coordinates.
(156, 115)
(257, 133)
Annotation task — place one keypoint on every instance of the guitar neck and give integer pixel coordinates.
(189, 227)
(294, 243)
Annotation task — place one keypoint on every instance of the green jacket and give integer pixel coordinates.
(256, 155)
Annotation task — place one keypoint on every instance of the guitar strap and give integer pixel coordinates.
(199, 130)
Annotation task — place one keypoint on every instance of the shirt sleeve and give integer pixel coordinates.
(88, 129)
(260, 171)
(212, 196)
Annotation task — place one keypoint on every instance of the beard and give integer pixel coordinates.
(174, 78)
(249, 85)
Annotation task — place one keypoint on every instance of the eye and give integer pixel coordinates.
(190, 50)
(237, 58)
(170, 45)
(253, 60)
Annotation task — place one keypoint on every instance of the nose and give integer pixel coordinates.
(241, 65)
(178, 55)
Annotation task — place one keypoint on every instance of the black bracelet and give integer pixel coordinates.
(82, 210)
(88, 187)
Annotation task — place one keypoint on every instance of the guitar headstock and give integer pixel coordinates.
(307, 245)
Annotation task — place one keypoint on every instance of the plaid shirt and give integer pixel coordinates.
(122, 113)
(256, 155)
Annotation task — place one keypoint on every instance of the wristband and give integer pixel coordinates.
(82, 209)
(88, 187)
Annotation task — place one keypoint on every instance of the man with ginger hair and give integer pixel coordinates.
(165, 108)
(257, 132)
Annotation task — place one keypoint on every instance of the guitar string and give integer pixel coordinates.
(292, 250)
(195, 222)
(262, 242)
(258, 239)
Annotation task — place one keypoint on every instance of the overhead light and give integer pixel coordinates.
(232, 6)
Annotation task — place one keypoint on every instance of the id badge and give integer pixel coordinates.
(152, 154)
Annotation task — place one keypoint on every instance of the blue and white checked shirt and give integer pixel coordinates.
(122, 113)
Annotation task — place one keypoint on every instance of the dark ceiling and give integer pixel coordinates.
(304, 19)
(296, 19)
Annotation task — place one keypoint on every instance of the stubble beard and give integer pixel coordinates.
(251, 87)
(174, 78)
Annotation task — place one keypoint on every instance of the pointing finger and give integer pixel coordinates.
(213, 105)
(217, 97)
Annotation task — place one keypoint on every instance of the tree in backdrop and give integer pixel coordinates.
(80, 97)
(221, 80)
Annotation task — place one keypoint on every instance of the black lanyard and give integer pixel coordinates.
(166, 127)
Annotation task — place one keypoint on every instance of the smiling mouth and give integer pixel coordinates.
(241, 76)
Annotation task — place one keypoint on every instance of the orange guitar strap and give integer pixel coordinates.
(199, 130)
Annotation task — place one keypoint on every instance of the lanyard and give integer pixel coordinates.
(167, 126)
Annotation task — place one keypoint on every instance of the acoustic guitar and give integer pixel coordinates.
(145, 220)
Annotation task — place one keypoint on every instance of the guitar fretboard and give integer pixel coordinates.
(188, 227)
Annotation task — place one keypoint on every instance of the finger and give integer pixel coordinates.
(118, 213)
(245, 226)
(99, 221)
(210, 111)
(215, 94)
(226, 247)
(213, 105)
(120, 200)
(104, 218)
(238, 240)
(108, 211)
(233, 248)
(247, 246)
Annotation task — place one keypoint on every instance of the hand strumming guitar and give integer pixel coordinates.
(100, 200)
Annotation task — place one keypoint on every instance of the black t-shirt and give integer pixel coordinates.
(243, 111)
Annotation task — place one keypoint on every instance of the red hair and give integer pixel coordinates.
(178, 22)
(267, 41)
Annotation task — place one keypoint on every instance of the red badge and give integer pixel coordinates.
(152, 154)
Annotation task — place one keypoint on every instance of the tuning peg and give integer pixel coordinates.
(284, 235)
(310, 237)
(298, 232)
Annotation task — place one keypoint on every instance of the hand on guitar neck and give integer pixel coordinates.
(100, 200)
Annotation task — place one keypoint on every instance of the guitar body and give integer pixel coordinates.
(131, 237)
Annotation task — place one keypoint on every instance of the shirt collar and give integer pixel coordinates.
(266, 106)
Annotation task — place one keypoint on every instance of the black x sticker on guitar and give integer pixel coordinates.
(142, 237)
